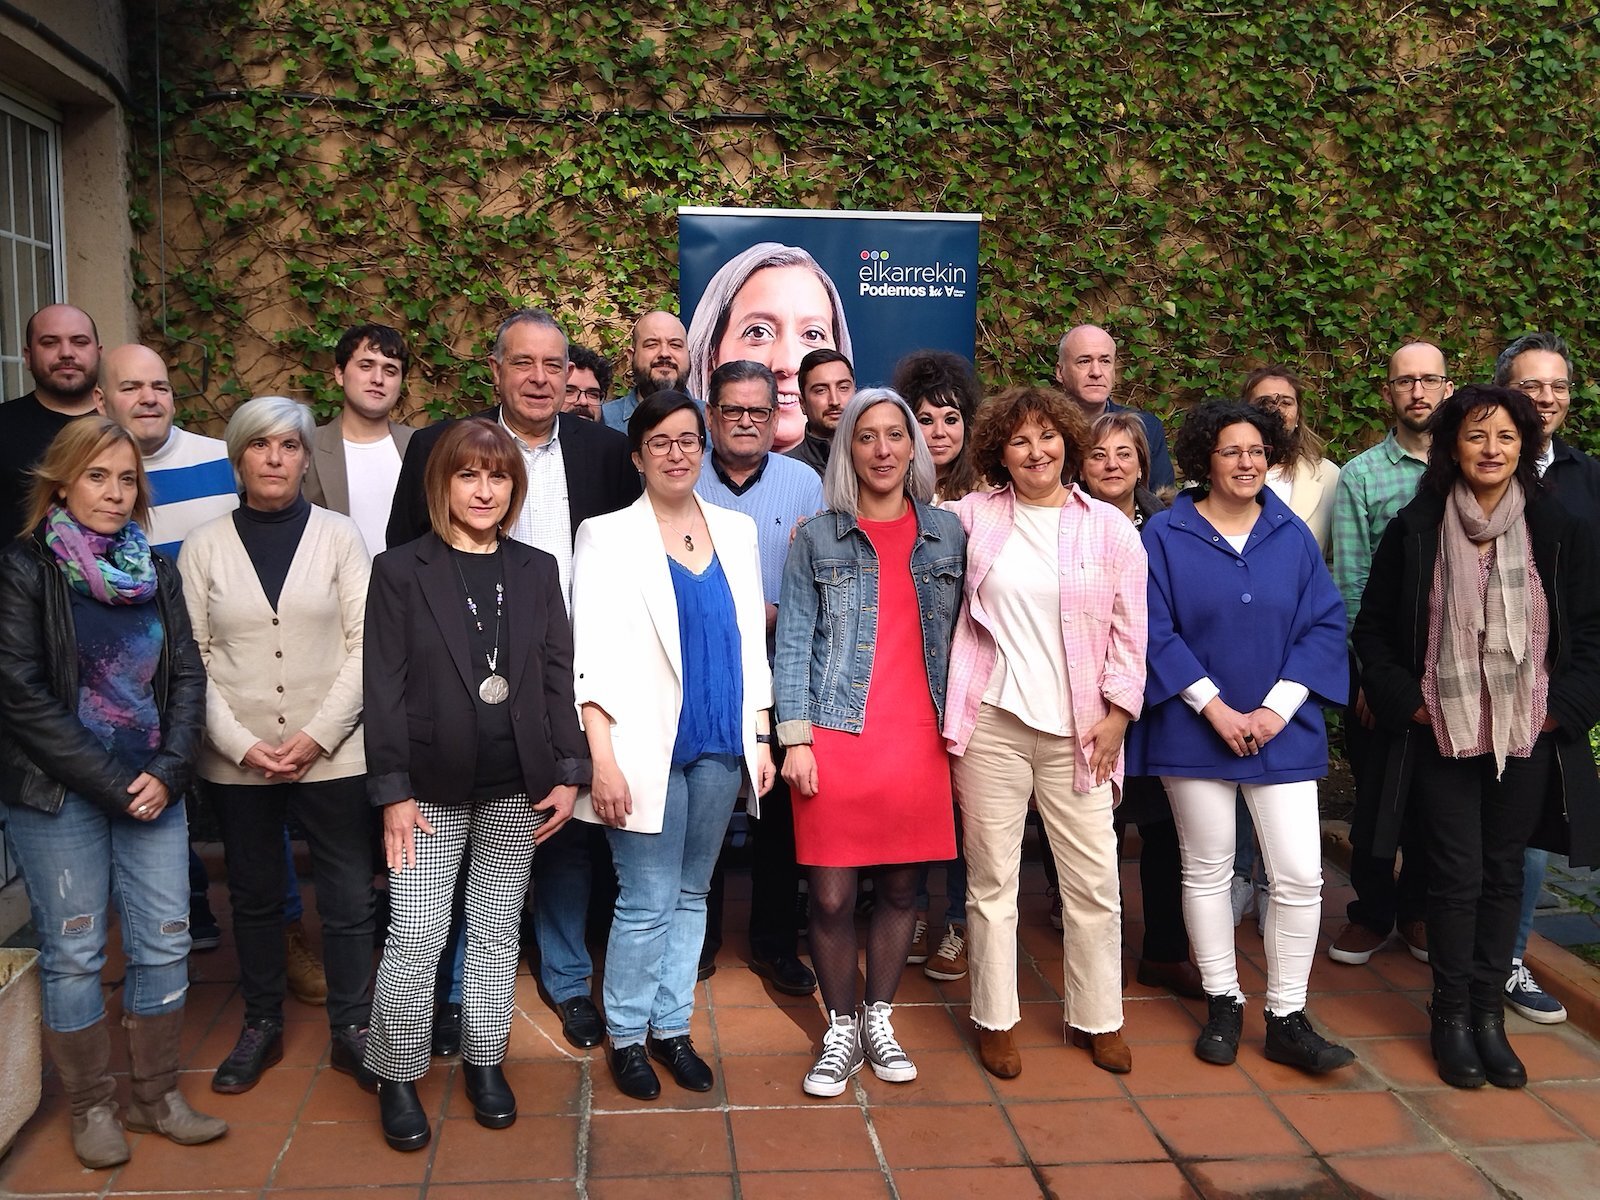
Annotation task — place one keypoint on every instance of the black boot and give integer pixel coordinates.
(1219, 1040)
(1455, 1050)
(493, 1103)
(405, 1124)
(1501, 1065)
(1292, 1041)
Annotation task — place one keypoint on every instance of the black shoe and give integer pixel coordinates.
(786, 973)
(1292, 1041)
(346, 1053)
(493, 1103)
(1218, 1042)
(260, 1045)
(678, 1055)
(708, 968)
(580, 1022)
(634, 1075)
(1501, 1066)
(1455, 1052)
(447, 1031)
(405, 1125)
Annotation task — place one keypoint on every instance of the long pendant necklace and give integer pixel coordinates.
(688, 538)
(494, 689)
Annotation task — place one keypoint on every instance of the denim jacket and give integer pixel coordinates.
(828, 618)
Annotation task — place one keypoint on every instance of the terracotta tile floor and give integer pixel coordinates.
(1174, 1128)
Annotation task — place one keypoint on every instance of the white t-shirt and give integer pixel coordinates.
(372, 469)
(1022, 596)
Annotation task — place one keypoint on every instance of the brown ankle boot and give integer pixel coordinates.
(80, 1059)
(158, 1106)
(998, 1053)
(1109, 1051)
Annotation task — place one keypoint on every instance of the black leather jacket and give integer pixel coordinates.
(44, 748)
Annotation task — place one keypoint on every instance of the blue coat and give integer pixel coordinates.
(1245, 620)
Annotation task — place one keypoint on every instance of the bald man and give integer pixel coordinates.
(62, 352)
(660, 361)
(1086, 369)
(191, 480)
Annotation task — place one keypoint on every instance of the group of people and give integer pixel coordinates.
(430, 650)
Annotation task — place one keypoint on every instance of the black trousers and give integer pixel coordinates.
(774, 882)
(1476, 828)
(337, 820)
(1380, 899)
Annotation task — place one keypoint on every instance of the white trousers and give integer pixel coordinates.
(1290, 832)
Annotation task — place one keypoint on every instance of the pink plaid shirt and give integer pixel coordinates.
(1104, 583)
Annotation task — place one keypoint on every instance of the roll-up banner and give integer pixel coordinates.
(774, 284)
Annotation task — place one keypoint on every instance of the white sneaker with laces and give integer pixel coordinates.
(839, 1060)
(889, 1062)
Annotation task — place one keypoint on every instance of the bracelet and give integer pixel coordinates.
(765, 739)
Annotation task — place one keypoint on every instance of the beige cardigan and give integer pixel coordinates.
(272, 674)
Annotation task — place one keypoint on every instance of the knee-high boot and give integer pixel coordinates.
(158, 1106)
(81, 1059)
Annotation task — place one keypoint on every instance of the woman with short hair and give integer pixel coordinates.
(277, 590)
(102, 708)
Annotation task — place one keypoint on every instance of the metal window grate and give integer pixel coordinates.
(30, 230)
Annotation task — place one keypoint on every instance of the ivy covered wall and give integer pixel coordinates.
(1218, 184)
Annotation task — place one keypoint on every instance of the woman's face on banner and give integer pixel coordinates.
(779, 316)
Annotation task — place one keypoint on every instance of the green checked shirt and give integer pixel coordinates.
(1373, 487)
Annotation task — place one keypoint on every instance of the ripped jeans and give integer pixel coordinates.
(75, 863)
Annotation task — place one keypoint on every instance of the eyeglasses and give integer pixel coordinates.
(1233, 454)
(1558, 387)
(733, 414)
(1430, 383)
(589, 395)
(661, 445)
(1275, 400)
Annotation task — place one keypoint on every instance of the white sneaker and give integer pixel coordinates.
(889, 1062)
(839, 1060)
(1243, 895)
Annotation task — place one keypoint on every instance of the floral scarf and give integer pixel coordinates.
(112, 568)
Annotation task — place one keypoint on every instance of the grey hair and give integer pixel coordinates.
(841, 490)
(524, 316)
(1553, 342)
(740, 370)
(267, 416)
(711, 314)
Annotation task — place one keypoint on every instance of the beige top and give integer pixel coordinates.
(272, 674)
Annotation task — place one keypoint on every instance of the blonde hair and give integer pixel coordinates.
(69, 456)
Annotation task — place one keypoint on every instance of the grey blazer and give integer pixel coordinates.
(326, 482)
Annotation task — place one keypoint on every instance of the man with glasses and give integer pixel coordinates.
(1373, 487)
(775, 492)
(1541, 365)
(827, 381)
(588, 383)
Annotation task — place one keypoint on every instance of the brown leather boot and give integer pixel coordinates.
(81, 1059)
(158, 1106)
(1109, 1051)
(998, 1053)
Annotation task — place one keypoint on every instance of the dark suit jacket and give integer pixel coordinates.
(420, 722)
(327, 482)
(600, 474)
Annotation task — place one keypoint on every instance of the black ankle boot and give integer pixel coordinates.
(1218, 1042)
(1501, 1065)
(405, 1124)
(493, 1103)
(1292, 1041)
(1455, 1050)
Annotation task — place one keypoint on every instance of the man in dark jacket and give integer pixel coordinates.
(1541, 365)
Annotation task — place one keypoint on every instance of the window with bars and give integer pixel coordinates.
(30, 230)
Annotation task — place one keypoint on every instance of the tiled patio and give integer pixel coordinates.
(1173, 1128)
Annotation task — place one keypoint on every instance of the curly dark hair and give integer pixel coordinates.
(940, 379)
(1002, 415)
(586, 359)
(1471, 402)
(1197, 437)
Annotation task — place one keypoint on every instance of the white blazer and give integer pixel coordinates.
(1311, 499)
(627, 657)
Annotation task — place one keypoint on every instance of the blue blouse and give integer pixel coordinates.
(713, 678)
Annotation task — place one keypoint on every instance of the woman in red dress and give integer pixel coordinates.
(870, 595)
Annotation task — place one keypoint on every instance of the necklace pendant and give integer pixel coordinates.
(494, 690)
(688, 543)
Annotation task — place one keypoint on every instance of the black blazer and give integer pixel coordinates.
(1390, 638)
(420, 724)
(600, 474)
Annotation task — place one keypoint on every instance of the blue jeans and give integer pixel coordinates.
(562, 871)
(1534, 863)
(76, 863)
(660, 922)
(955, 882)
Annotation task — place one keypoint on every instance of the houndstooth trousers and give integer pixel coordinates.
(499, 834)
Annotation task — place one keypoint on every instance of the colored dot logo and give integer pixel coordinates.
(875, 255)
